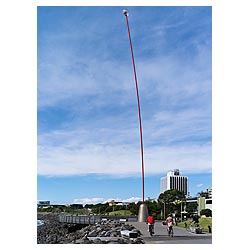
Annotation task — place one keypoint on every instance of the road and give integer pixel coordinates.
(181, 235)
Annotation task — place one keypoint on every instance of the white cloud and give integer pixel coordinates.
(74, 78)
(199, 185)
(89, 200)
(85, 201)
(132, 199)
(103, 150)
(108, 159)
(67, 79)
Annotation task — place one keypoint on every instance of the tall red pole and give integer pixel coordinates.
(125, 12)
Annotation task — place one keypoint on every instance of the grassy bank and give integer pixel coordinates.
(120, 212)
(203, 223)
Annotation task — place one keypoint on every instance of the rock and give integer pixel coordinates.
(98, 241)
(137, 241)
(136, 230)
(83, 241)
(93, 233)
(107, 234)
(54, 232)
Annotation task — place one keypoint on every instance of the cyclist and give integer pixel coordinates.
(169, 221)
(150, 222)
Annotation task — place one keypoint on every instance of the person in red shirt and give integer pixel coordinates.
(151, 222)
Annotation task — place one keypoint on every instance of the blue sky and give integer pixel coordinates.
(88, 130)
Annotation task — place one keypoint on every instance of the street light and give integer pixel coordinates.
(176, 202)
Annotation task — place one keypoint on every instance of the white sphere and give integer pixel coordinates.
(125, 12)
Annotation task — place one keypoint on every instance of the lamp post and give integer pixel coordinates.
(164, 213)
(176, 202)
(143, 211)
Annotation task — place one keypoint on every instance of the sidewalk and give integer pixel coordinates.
(181, 235)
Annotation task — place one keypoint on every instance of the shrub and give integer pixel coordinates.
(206, 212)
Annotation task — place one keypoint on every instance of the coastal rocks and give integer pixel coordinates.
(93, 233)
(105, 232)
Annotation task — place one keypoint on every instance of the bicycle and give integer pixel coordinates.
(151, 229)
(170, 231)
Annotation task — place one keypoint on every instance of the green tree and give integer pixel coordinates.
(171, 201)
(134, 208)
(101, 208)
(90, 206)
(191, 207)
(207, 212)
(203, 194)
(154, 208)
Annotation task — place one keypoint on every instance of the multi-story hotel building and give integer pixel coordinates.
(174, 180)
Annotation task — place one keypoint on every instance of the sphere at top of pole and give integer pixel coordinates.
(125, 12)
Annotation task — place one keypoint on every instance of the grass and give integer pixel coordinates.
(203, 223)
(120, 212)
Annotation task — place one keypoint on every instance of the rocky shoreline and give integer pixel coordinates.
(105, 232)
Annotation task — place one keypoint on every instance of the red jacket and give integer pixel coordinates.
(150, 220)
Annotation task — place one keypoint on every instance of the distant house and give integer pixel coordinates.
(205, 200)
(43, 204)
(117, 203)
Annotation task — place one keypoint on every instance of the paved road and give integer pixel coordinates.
(181, 235)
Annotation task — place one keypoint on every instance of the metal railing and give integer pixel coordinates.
(92, 219)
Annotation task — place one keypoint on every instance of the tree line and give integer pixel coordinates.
(169, 202)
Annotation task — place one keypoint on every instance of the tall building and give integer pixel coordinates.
(174, 180)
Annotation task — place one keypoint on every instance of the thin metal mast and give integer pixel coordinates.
(125, 13)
